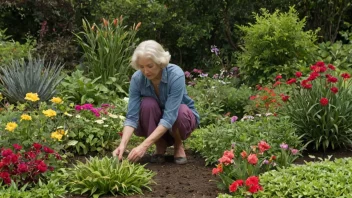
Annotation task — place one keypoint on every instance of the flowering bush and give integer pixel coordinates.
(233, 171)
(34, 121)
(94, 128)
(26, 166)
(320, 106)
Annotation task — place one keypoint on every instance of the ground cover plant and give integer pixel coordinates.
(107, 175)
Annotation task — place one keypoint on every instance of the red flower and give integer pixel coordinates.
(298, 74)
(233, 186)
(225, 160)
(48, 150)
(334, 89)
(229, 154)
(313, 76)
(6, 177)
(239, 182)
(322, 69)
(305, 84)
(278, 77)
(6, 152)
(17, 147)
(285, 98)
(273, 157)
(37, 146)
(276, 83)
(255, 188)
(263, 146)
(22, 168)
(291, 81)
(331, 67)
(332, 79)
(253, 97)
(252, 159)
(324, 101)
(320, 64)
(252, 180)
(345, 76)
(42, 167)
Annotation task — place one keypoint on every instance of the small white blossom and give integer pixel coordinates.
(112, 115)
(99, 121)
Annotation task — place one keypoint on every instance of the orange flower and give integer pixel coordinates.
(115, 22)
(244, 154)
(105, 22)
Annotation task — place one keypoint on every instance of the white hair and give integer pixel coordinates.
(153, 50)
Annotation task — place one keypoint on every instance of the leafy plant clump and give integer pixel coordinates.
(322, 179)
(107, 175)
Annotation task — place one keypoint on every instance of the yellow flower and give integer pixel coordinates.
(61, 131)
(10, 126)
(49, 113)
(32, 97)
(56, 100)
(26, 117)
(56, 135)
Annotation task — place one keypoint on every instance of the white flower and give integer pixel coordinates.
(99, 121)
(126, 99)
(122, 117)
(112, 115)
(269, 114)
(103, 118)
(78, 116)
(70, 115)
(105, 125)
(247, 118)
(259, 115)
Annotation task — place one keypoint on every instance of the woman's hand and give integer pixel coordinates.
(137, 153)
(119, 151)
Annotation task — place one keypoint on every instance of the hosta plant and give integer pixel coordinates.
(320, 106)
(107, 176)
(34, 75)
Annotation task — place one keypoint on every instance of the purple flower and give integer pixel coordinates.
(105, 105)
(197, 71)
(216, 76)
(215, 50)
(265, 162)
(234, 119)
(187, 74)
(284, 146)
(294, 151)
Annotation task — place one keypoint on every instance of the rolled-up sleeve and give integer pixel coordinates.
(173, 101)
(133, 103)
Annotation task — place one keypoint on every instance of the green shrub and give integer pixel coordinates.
(320, 107)
(94, 130)
(213, 140)
(34, 75)
(12, 50)
(80, 89)
(51, 189)
(107, 175)
(273, 45)
(318, 179)
(108, 48)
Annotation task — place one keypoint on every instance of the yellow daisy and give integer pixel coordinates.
(49, 113)
(10, 126)
(26, 117)
(32, 97)
(56, 100)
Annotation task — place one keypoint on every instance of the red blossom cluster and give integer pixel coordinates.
(25, 166)
(252, 182)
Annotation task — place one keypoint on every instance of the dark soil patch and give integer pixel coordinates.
(338, 153)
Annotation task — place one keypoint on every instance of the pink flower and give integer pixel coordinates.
(225, 160)
(263, 146)
(229, 154)
(294, 151)
(234, 119)
(284, 146)
(78, 108)
(252, 159)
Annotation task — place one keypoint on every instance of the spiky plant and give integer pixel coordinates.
(34, 75)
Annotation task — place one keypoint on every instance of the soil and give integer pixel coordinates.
(194, 180)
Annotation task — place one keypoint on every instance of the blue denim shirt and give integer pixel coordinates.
(172, 93)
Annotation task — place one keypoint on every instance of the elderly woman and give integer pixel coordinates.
(159, 107)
